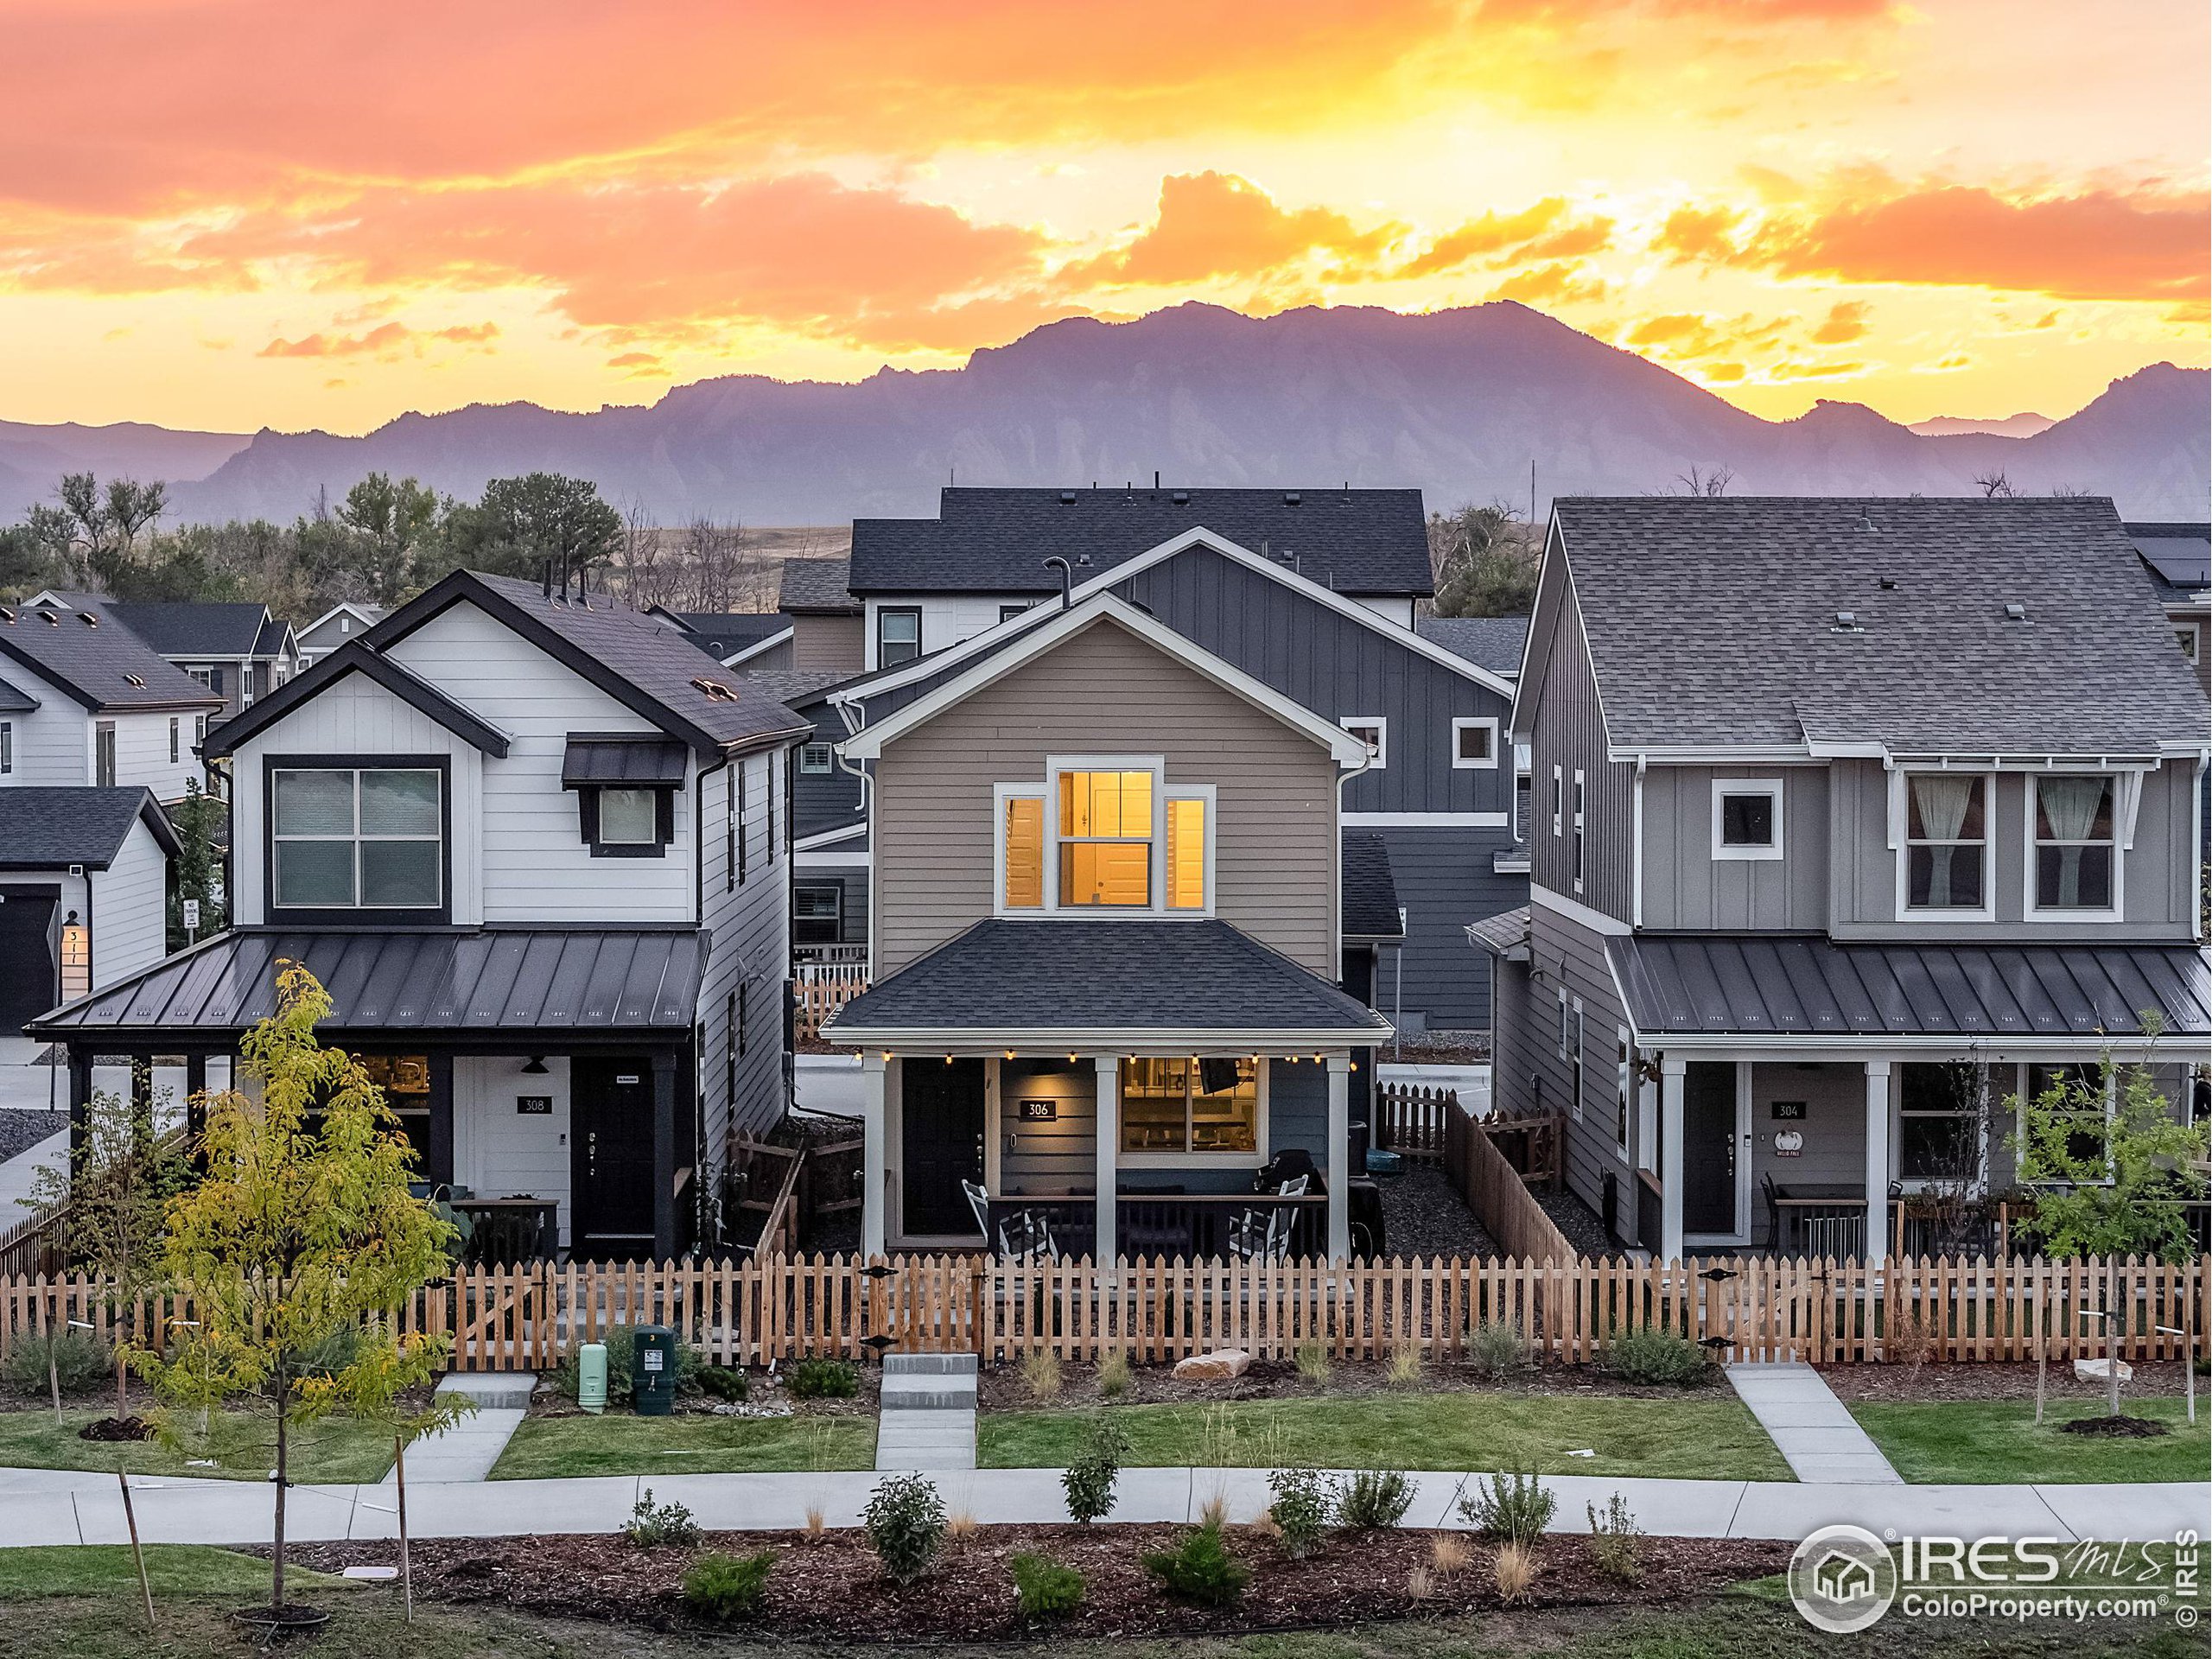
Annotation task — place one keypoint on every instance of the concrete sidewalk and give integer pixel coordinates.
(48, 1507)
(1817, 1436)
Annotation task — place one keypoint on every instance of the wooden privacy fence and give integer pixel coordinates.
(1410, 1119)
(527, 1318)
(1499, 1193)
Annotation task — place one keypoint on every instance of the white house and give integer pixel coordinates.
(84, 882)
(85, 702)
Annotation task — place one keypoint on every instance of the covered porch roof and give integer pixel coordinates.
(469, 986)
(1130, 984)
(1807, 992)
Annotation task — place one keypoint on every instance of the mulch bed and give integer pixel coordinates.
(1996, 1381)
(1424, 1216)
(2116, 1428)
(1002, 1387)
(116, 1429)
(546, 1402)
(833, 1589)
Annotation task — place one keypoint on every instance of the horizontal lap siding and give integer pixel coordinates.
(141, 753)
(827, 800)
(1055, 1157)
(751, 929)
(1567, 952)
(835, 643)
(53, 742)
(1105, 692)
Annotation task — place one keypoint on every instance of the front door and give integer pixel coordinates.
(1709, 1150)
(941, 1144)
(613, 1159)
(31, 983)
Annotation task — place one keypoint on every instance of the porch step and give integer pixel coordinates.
(492, 1390)
(929, 1365)
(929, 1394)
(927, 1418)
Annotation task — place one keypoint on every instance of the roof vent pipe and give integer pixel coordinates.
(1067, 579)
(545, 577)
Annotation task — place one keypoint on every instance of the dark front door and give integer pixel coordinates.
(941, 1110)
(29, 980)
(613, 1158)
(1709, 1147)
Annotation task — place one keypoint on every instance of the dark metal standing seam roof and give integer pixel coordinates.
(1791, 985)
(523, 980)
(657, 761)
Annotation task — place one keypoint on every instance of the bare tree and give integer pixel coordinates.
(721, 566)
(1710, 482)
(94, 532)
(1995, 485)
(644, 570)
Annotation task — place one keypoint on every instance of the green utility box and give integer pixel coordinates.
(652, 1371)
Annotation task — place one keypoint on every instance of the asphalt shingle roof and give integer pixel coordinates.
(1371, 893)
(96, 663)
(820, 586)
(1131, 975)
(185, 628)
(721, 635)
(45, 829)
(1490, 642)
(1714, 622)
(1373, 542)
(795, 687)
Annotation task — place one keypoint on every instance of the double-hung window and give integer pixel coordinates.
(897, 635)
(2076, 844)
(103, 753)
(357, 837)
(1105, 840)
(7, 747)
(1178, 1106)
(1947, 842)
(174, 735)
(1105, 835)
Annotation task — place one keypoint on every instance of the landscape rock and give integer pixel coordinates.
(1222, 1365)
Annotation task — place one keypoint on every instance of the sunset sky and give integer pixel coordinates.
(322, 213)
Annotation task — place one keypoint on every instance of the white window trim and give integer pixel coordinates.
(1048, 790)
(2190, 637)
(1770, 787)
(1559, 801)
(1207, 793)
(1978, 1186)
(828, 763)
(1381, 762)
(2022, 1075)
(1624, 1085)
(1575, 1067)
(1901, 822)
(1465, 722)
(2029, 845)
(1000, 794)
(1581, 848)
(1205, 1159)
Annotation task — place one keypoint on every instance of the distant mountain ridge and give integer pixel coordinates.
(1456, 402)
(2025, 424)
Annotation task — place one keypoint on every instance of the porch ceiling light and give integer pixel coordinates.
(534, 1067)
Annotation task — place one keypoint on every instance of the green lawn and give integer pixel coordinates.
(623, 1445)
(1711, 1437)
(172, 1569)
(336, 1450)
(1998, 1441)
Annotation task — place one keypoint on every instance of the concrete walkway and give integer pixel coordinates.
(467, 1451)
(50, 1506)
(1817, 1437)
(927, 1416)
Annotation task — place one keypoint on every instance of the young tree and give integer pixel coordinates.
(117, 1185)
(2114, 1187)
(298, 1247)
(199, 863)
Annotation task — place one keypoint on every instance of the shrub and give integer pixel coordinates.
(1313, 1362)
(725, 1381)
(1114, 1374)
(332, 1354)
(906, 1525)
(621, 1342)
(1516, 1508)
(1406, 1366)
(1652, 1353)
(1513, 1571)
(81, 1360)
(821, 1379)
(1044, 1588)
(1041, 1374)
(1090, 1479)
(727, 1586)
(1421, 1583)
(1498, 1349)
(652, 1525)
(1200, 1568)
(1616, 1542)
(1373, 1498)
(1448, 1553)
(1300, 1511)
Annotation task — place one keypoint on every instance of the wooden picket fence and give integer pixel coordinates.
(1410, 1119)
(527, 1318)
(819, 989)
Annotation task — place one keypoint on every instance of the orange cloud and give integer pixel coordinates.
(1548, 284)
(1845, 321)
(1215, 224)
(385, 341)
(1698, 233)
(1493, 233)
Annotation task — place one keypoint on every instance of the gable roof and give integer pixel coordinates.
(52, 828)
(367, 615)
(649, 667)
(2178, 556)
(192, 628)
(1102, 610)
(1716, 624)
(795, 688)
(1490, 642)
(1370, 542)
(97, 662)
(817, 588)
(354, 657)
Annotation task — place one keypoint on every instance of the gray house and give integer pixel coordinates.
(536, 847)
(1854, 820)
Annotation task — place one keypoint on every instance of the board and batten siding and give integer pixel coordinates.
(1445, 877)
(1569, 733)
(498, 1149)
(1103, 692)
(1685, 887)
(2159, 879)
(750, 926)
(130, 908)
(535, 864)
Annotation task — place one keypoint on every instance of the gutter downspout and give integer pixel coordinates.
(847, 713)
(1636, 847)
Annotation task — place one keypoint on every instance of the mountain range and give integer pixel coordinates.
(1460, 402)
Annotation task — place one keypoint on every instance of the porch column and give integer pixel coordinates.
(81, 1098)
(1877, 1159)
(1339, 1158)
(663, 1156)
(436, 1164)
(1106, 1245)
(195, 1106)
(872, 1154)
(1670, 1159)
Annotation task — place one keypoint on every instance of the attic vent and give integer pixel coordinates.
(1182, 498)
(1866, 522)
(138, 680)
(2016, 613)
(88, 619)
(1290, 498)
(6, 615)
(1067, 498)
(53, 617)
(1889, 584)
(1848, 622)
(716, 690)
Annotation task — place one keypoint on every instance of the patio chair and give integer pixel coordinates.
(1025, 1236)
(1768, 1192)
(1260, 1235)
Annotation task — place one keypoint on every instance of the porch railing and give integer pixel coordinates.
(1190, 1226)
(820, 956)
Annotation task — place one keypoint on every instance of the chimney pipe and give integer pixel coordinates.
(545, 577)
(1067, 580)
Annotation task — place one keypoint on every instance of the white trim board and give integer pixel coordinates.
(756, 648)
(1596, 920)
(828, 861)
(825, 837)
(867, 743)
(1425, 820)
